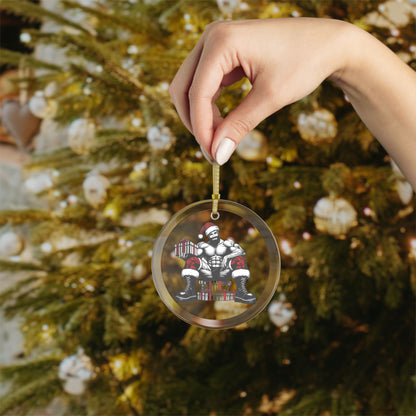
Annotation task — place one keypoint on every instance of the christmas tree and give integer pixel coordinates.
(338, 337)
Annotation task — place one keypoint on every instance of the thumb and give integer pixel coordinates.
(244, 118)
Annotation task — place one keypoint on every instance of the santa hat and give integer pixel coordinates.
(206, 229)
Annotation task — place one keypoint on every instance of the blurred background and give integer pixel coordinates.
(94, 161)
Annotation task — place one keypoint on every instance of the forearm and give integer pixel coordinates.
(382, 89)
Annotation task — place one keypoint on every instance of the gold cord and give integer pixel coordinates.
(215, 190)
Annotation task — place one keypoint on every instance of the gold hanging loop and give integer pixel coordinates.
(215, 190)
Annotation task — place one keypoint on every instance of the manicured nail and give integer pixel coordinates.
(207, 156)
(225, 150)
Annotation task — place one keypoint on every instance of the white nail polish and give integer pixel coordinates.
(225, 150)
(207, 156)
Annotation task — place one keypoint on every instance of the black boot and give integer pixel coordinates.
(241, 294)
(189, 293)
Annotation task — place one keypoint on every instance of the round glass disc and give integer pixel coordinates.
(216, 273)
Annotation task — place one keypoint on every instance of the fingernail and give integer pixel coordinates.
(225, 150)
(207, 156)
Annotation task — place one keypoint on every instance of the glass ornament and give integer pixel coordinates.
(202, 260)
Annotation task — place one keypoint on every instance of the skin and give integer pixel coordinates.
(285, 60)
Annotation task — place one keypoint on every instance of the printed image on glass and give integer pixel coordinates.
(216, 273)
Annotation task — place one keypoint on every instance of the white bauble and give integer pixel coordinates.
(95, 188)
(81, 135)
(42, 107)
(76, 370)
(281, 312)
(74, 386)
(334, 216)
(318, 127)
(253, 147)
(405, 191)
(151, 215)
(11, 244)
(228, 7)
(139, 271)
(159, 137)
(38, 183)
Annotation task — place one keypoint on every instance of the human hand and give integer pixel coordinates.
(284, 59)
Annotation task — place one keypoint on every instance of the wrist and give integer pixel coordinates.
(347, 54)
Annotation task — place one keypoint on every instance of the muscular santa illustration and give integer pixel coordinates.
(213, 263)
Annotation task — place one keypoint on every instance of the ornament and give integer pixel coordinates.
(11, 244)
(81, 135)
(76, 370)
(140, 271)
(253, 147)
(38, 183)
(404, 189)
(18, 120)
(318, 127)
(281, 313)
(228, 7)
(334, 216)
(208, 253)
(95, 189)
(42, 107)
(151, 215)
(159, 137)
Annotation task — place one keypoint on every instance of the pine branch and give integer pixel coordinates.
(15, 266)
(100, 53)
(136, 23)
(16, 59)
(39, 383)
(36, 12)
(24, 216)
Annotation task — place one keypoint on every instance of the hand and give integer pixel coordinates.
(284, 59)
